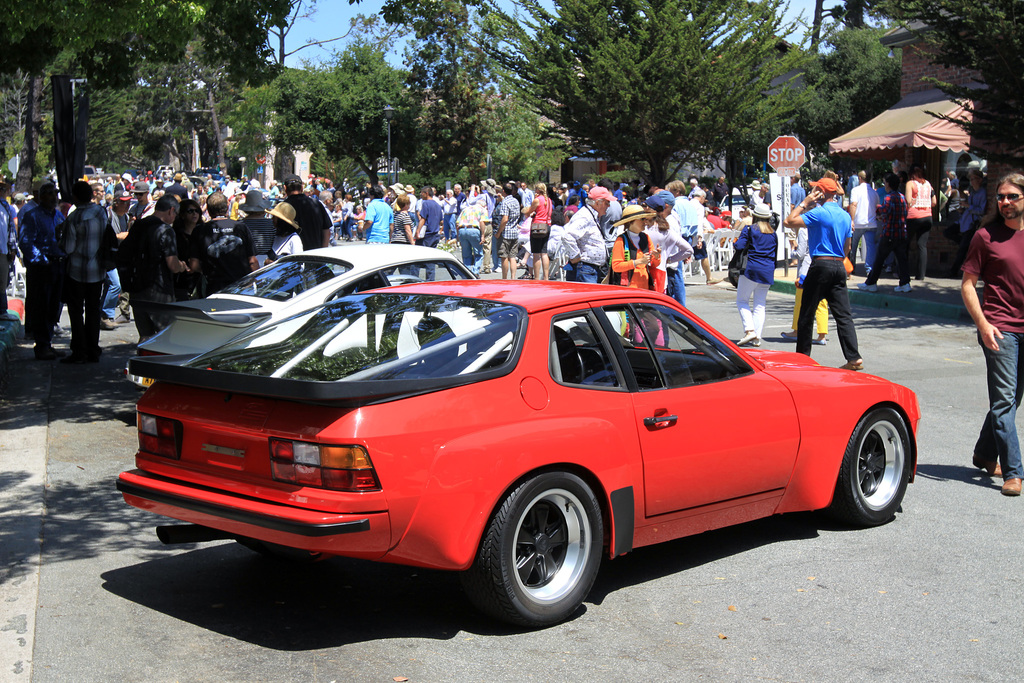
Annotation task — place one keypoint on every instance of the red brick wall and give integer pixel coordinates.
(917, 65)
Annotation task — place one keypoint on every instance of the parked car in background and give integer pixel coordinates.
(515, 432)
(290, 285)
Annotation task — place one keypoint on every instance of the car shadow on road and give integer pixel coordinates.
(658, 561)
(275, 604)
(230, 590)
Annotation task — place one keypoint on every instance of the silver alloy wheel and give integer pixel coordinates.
(881, 464)
(552, 545)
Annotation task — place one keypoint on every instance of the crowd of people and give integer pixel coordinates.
(195, 236)
(170, 240)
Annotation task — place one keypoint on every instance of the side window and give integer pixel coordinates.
(423, 271)
(577, 355)
(372, 281)
(639, 356)
(666, 349)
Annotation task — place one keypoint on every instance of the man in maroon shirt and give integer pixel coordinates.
(996, 256)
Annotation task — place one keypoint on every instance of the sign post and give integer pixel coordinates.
(786, 154)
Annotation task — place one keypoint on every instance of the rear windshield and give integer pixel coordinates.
(378, 337)
(285, 279)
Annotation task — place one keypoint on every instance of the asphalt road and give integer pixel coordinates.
(933, 596)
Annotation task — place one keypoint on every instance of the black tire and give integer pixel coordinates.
(279, 552)
(540, 552)
(876, 470)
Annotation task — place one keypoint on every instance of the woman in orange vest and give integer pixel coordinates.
(633, 259)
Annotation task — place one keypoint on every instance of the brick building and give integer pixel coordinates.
(909, 133)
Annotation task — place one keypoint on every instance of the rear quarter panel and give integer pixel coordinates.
(447, 460)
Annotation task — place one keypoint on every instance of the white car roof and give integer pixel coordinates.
(365, 257)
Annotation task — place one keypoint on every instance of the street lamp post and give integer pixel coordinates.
(389, 112)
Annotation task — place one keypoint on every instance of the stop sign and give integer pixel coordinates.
(786, 154)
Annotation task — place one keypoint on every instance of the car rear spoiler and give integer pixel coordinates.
(348, 393)
(237, 318)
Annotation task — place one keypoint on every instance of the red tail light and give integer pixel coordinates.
(159, 436)
(339, 468)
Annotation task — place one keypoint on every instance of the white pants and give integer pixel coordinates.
(752, 320)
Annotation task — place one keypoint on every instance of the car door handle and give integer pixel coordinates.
(660, 421)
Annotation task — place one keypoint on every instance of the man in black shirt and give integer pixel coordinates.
(222, 249)
(314, 223)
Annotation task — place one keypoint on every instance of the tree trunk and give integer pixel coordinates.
(819, 10)
(33, 124)
(222, 160)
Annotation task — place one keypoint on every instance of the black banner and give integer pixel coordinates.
(69, 132)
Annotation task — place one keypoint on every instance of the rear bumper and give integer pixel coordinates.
(362, 535)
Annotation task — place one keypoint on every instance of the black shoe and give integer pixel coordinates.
(92, 358)
(73, 359)
(49, 353)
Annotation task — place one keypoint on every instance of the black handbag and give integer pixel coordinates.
(738, 264)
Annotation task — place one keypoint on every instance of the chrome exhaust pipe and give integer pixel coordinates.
(190, 533)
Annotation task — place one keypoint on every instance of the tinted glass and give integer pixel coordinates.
(377, 337)
(285, 279)
(664, 348)
(577, 355)
(425, 271)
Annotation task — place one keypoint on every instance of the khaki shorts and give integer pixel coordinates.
(508, 247)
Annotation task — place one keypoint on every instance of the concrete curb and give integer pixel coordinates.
(905, 303)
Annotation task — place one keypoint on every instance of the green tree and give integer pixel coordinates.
(854, 80)
(521, 143)
(449, 78)
(654, 84)
(337, 110)
(987, 37)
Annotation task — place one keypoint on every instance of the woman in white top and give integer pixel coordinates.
(449, 205)
(286, 239)
(665, 233)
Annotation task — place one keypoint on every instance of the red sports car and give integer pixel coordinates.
(511, 431)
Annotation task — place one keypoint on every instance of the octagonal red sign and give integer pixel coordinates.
(786, 154)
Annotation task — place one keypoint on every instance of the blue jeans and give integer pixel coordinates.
(676, 284)
(449, 225)
(430, 240)
(472, 252)
(113, 293)
(998, 438)
(495, 241)
(870, 236)
(582, 272)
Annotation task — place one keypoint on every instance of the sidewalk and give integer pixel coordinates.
(938, 297)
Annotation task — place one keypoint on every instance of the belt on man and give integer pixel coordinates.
(826, 258)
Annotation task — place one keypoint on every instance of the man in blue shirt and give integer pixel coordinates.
(44, 266)
(379, 217)
(797, 193)
(829, 233)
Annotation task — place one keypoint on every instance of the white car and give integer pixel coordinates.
(291, 285)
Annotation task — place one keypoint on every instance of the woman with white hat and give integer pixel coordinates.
(761, 243)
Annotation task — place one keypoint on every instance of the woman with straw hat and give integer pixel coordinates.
(633, 258)
(286, 240)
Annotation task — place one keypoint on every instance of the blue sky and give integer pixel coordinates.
(333, 16)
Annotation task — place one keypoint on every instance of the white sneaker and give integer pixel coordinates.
(747, 338)
(865, 287)
(902, 288)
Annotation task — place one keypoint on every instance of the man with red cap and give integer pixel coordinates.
(829, 233)
(584, 242)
